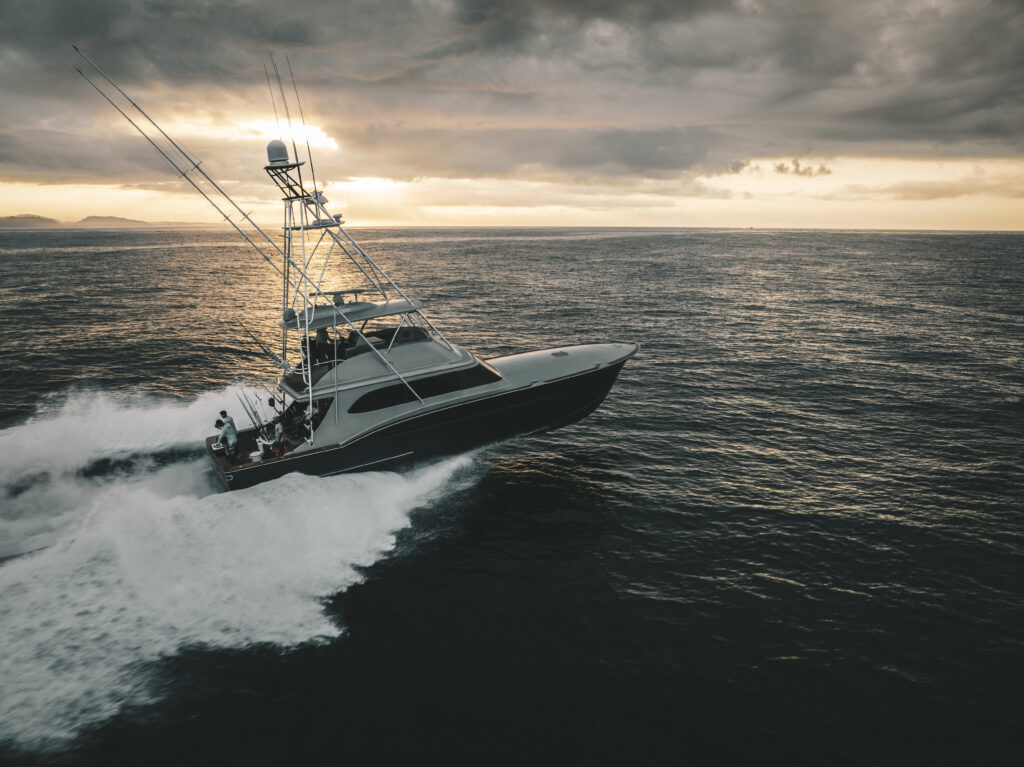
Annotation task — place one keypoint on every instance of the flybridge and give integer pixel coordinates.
(313, 240)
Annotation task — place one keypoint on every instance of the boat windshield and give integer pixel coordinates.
(330, 347)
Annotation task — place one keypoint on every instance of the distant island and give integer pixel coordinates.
(110, 221)
(32, 221)
(28, 221)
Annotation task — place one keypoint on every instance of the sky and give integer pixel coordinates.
(873, 114)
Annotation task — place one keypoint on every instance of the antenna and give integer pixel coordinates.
(196, 176)
(305, 132)
(195, 165)
(274, 103)
(287, 112)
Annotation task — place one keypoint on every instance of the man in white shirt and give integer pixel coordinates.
(228, 436)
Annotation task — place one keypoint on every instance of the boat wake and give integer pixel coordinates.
(145, 558)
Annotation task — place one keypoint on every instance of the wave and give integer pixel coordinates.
(46, 461)
(148, 560)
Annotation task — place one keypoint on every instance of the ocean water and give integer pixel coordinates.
(793, 534)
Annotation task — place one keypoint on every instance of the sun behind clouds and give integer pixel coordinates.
(880, 114)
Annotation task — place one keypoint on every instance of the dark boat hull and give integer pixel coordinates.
(447, 431)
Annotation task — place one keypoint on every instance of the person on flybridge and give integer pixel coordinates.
(323, 345)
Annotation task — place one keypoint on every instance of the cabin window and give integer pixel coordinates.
(382, 337)
(435, 386)
(323, 347)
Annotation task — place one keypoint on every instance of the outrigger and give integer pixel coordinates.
(367, 380)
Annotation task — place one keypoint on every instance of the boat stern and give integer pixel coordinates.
(218, 457)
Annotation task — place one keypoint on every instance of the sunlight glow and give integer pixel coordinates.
(768, 192)
(253, 130)
(265, 130)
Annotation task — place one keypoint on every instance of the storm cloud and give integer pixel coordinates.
(578, 90)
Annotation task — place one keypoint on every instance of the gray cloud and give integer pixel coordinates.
(1005, 187)
(585, 155)
(797, 169)
(486, 88)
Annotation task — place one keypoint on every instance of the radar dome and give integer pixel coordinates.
(277, 153)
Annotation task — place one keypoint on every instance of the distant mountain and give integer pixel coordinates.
(32, 221)
(27, 221)
(108, 222)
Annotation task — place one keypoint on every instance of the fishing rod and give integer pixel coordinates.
(262, 345)
(257, 422)
(185, 168)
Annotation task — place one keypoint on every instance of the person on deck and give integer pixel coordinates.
(229, 421)
(280, 439)
(228, 436)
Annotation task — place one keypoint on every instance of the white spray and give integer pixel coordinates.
(141, 565)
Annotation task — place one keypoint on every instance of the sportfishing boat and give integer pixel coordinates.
(367, 380)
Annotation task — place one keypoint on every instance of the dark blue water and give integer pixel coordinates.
(793, 533)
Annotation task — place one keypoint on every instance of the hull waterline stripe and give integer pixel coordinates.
(364, 465)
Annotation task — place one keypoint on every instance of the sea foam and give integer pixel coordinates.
(143, 563)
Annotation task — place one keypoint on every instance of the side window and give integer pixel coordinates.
(435, 386)
(389, 396)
